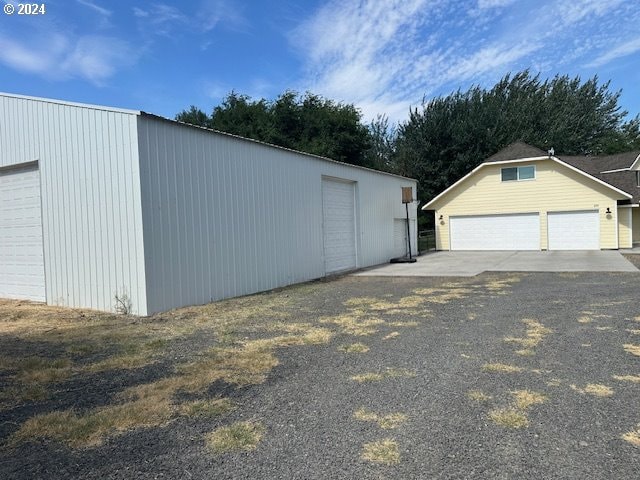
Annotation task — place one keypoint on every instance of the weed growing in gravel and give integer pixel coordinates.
(585, 319)
(525, 352)
(386, 422)
(594, 389)
(379, 376)
(509, 417)
(627, 378)
(632, 349)
(478, 396)
(633, 331)
(383, 451)
(633, 437)
(500, 367)
(354, 348)
(391, 335)
(443, 294)
(240, 436)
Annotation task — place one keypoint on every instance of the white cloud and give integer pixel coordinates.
(95, 7)
(622, 50)
(94, 58)
(386, 55)
(487, 4)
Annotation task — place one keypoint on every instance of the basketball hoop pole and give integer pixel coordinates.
(406, 206)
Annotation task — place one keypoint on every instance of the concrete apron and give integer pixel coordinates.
(469, 264)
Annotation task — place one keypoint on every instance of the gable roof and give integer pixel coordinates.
(619, 181)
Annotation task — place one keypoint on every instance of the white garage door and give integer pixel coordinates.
(21, 258)
(338, 209)
(496, 232)
(574, 230)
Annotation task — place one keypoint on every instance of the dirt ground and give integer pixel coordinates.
(496, 376)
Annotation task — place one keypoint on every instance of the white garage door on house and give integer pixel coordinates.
(21, 254)
(578, 230)
(339, 225)
(519, 231)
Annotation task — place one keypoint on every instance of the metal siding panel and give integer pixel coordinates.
(91, 212)
(225, 217)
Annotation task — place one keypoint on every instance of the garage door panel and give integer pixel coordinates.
(338, 207)
(495, 232)
(21, 257)
(577, 230)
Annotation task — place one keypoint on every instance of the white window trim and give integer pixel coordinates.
(518, 179)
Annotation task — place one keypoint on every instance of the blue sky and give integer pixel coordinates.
(383, 56)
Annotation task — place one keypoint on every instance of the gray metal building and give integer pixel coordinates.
(97, 202)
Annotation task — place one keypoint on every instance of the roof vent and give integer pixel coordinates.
(551, 152)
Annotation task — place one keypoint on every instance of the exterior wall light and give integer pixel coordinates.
(608, 212)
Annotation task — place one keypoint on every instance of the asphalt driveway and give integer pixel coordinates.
(503, 375)
(469, 264)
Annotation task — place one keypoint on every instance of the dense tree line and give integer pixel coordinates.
(445, 138)
(309, 123)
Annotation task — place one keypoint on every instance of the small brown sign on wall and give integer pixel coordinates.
(407, 194)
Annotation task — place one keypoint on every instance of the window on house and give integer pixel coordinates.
(638, 178)
(519, 173)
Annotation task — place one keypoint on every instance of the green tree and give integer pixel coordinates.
(309, 123)
(451, 135)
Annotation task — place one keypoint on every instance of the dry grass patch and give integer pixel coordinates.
(384, 451)
(632, 349)
(379, 376)
(240, 436)
(501, 367)
(391, 335)
(633, 331)
(633, 437)
(627, 378)
(535, 333)
(354, 324)
(526, 398)
(478, 396)
(89, 429)
(207, 408)
(509, 418)
(386, 422)
(444, 294)
(354, 348)
(525, 352)
(402, 324)
(585, 319)
(594, 389)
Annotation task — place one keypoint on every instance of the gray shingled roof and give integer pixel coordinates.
(625, 181)
(514, 151)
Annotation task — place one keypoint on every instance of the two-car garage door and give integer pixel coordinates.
(21, 255)
(496, 232)
(576, 230)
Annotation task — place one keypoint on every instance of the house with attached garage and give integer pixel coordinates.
(98, 202)
(523, 198)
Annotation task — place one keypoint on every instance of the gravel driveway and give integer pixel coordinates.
(528, 375)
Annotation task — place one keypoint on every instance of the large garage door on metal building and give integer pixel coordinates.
(578, 230)
(339, 225)
(519, 231)
(21, 254)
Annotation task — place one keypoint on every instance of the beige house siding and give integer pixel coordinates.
(556, 188)
(635, 213)
(624, 227)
